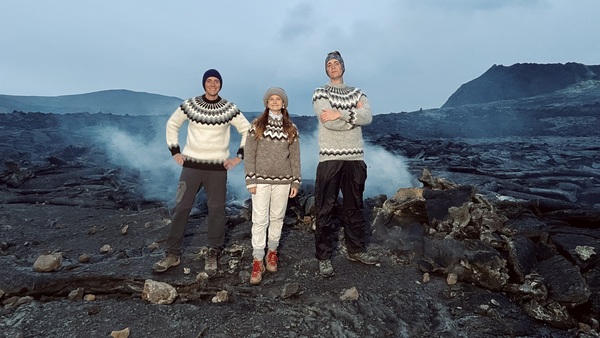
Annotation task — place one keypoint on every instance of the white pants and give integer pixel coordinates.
(268, 210)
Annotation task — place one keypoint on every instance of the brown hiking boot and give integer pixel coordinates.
(271, 261)
(258, 268)
(164, 264)
(363, 257)
(325, 268)
(211, 262)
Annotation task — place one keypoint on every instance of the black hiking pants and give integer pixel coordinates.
(349, 177)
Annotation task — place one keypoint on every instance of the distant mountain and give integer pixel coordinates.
(521, 80)
(119, 102)
(573, 111)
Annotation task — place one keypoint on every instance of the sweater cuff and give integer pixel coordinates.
(240, 153)
(175, 150)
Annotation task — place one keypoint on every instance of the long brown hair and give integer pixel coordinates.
(261, 124)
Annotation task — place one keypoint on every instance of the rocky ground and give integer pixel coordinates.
(500, 240)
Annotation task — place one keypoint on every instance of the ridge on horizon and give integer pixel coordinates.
(498, 83)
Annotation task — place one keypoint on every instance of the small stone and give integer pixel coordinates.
(290, 289)
(124, 229)
(350, 294)
(158, 292)
(47, 263)
(495, 302)
(186, 271)
(84, 258)
(105, 249)
(10, 301)
(426, 277)
(585, 328)
(307, 220)
(234, 249)
(94, 310)
(585, 252)
(23, 300)
(92, 230)
(153, 246)
(120, 334)
(221, 296)
(452, 279)
(76, 294)
(89, 297)
(201, 277)
(233, 264)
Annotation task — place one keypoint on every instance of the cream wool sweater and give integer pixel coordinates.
(341, 139)
(208, 133)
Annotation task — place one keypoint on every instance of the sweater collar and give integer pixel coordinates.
(275, 117)
(336, 85)
(210, 101)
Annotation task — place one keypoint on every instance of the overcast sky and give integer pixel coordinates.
(405, 54)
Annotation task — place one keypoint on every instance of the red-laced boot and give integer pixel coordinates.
(271, 261)
(258, 268)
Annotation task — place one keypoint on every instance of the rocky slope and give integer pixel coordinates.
(521, 80)
(118, 102)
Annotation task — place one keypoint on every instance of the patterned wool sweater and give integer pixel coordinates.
(208, 133)
(271, 159)
(341, 139)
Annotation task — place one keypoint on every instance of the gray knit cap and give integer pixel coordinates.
(337, 56)
(276, 91)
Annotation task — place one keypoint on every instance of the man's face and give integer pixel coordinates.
(334, 69)
(212, 86)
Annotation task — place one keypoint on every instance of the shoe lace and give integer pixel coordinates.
(272, 258)
(256, 268)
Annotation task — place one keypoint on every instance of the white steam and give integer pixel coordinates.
(159, 173)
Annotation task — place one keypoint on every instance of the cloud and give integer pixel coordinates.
(298, 23)
(405, 54)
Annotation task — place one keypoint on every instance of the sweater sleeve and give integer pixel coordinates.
(172, 130)
(359, 116)
(321, 103)
(242, 126)
(295, 162)
(250, 148)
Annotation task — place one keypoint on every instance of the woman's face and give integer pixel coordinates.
(275, 103)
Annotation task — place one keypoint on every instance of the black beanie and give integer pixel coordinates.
(211, 73)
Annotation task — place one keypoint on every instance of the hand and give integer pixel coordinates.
(293, 192)
(359, 105)
(252, 190)
(178, 158)
(230, 163)
(329, 115)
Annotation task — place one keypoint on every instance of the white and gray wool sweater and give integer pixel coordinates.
(208, 133)
(341, 139)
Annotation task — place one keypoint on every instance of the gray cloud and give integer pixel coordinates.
(405, 54)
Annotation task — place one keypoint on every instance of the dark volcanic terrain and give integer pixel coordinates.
(499, 237)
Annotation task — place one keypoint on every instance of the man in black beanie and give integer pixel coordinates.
(205, 161)
(342, 111)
